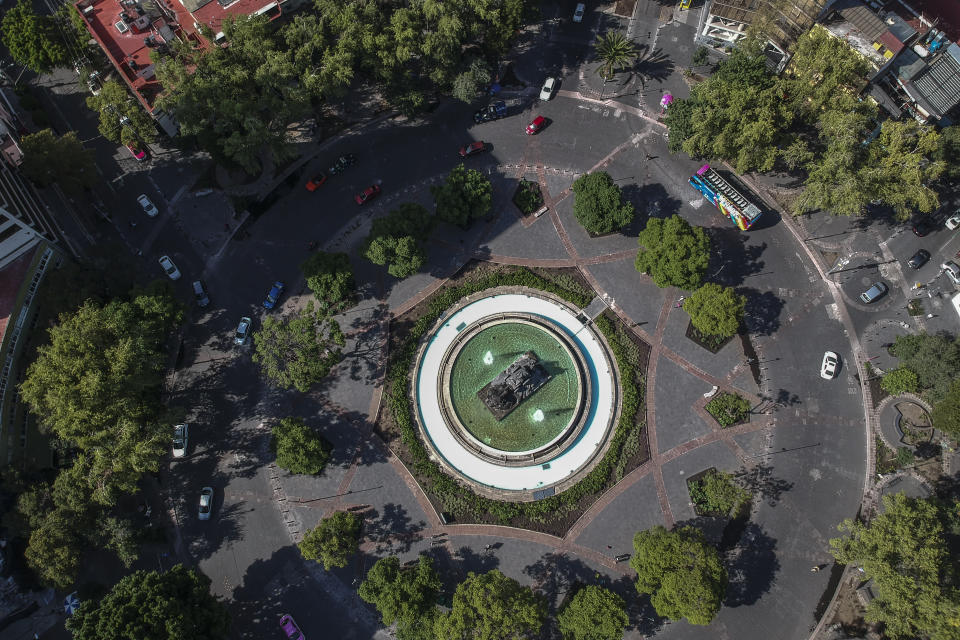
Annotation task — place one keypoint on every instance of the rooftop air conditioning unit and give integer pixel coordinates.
(88, 10)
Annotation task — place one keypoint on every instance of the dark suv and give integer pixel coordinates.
(919, 259)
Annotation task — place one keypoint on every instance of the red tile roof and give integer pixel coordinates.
(129, 50)
(213, 13)
(11, 281)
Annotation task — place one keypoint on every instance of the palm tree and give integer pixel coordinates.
(614, 50)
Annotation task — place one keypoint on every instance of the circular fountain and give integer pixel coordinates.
(515, 392)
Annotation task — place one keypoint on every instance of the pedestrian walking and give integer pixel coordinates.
(609, 547)
(815, 568)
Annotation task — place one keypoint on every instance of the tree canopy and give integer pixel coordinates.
(395, 240)
(673, 253)
(598, 203)
(237, 101)
(681, 572)
(594, 613)
(330, 277)
(904, 550)
(715, 310)
(299, 449)
(32, 38)
(615, 52)
(491, 606)
(935, 359)
(946, 413)
(900, 380)
(122, 118)
(810, 119)
(48, 159)
(160, 606)
(97, 385)
(333, 541)
(467, 194)
(405, 595)
(298, 350)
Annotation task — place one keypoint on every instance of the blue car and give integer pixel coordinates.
(275, 292)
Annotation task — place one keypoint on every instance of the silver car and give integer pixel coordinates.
(169, 268)
(873, 293)
(180, 433)
(206, 503)
(243, 331)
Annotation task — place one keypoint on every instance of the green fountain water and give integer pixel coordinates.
(541, 417)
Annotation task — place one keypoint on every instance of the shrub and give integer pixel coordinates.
(717, 493)
(905, 456)
(528, 197)
(298, 448)
(729, 409)
(900, 380)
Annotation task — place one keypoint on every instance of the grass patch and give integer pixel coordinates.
(915, 308)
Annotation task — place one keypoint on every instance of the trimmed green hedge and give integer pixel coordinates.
(457, 499)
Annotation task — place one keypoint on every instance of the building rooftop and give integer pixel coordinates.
(127, 31)
(939, 83)
(11, 281)
(942, 14)
(212, 12)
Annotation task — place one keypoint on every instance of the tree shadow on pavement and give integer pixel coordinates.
(760, 481)
(649, 201)
(752, 567)
(392, 530)
(761, 314)
(454, 564)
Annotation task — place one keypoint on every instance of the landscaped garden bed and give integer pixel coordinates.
(729, 409)
(554, 514)
(528, 197)
(713, 344)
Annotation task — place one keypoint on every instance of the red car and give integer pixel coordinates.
(473, 148)
(137, 153)
(314, 183)
(538, 123)
(367, 194)
(290, 628)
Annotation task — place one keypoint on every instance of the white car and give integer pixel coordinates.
(243, 330)
(578, 12)
(828, 369)
(180, 440)
(169, 268)
(952, 270)
(147, 205)
(206, 503)
(953, 221)
(546, 92)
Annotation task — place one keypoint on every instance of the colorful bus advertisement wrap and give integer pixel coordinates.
(721, 193)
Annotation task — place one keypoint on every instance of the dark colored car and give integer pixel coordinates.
(919, 259)
(538, 123)
(922, 228)
(494, 111)
(367, 194)
(275, 292)
(473, 148)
